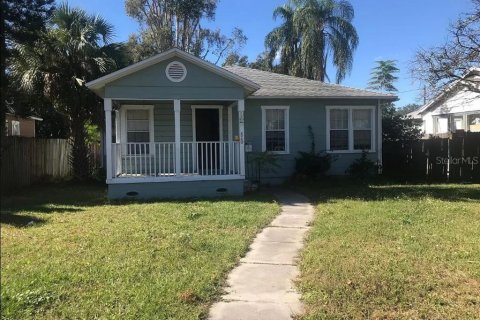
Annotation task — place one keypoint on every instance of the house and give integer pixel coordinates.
(455, 108)
(21, 126)
(178, 126)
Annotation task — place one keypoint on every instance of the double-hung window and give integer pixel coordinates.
(275, 129)
(138, 129)
(350, 129)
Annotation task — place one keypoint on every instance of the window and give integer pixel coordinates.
(362, 129)
(442, 124)
(339, 129)
(15, 128)
(473, 121)
(138, 128)
(350, 129)
(275, 129)
(457, 123)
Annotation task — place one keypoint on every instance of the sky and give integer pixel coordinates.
(388, 29)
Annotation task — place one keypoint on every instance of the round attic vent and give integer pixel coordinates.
(176, 71)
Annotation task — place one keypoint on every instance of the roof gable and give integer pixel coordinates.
(455, 88)
(137, 71)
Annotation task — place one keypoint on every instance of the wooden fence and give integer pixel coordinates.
(26, 161)
(455, 158)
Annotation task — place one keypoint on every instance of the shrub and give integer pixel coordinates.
(362, 168)
(311, 165)
(263, 162)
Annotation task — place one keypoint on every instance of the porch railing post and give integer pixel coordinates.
(107, 106)
(118, 148)
(176, 108)
(241, 131)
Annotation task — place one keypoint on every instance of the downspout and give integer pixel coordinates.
(379, 137)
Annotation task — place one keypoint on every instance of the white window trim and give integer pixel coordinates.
(123, 117)
(350, 127)
(287, 128)
(220, 119)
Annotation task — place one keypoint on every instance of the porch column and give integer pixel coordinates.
(117, 126)
(176, 108)
(107, 106)
(241, 132)
(230, 124)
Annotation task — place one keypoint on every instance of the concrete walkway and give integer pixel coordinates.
(262, 287)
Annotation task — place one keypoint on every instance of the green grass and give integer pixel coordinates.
(86, 258)
(392, 252)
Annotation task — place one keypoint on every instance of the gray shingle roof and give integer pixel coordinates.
(280, 85)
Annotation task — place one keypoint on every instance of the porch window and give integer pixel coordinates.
(275, 129)
(138, 130)
(350, 129)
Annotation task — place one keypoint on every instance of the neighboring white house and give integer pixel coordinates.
(456, 108)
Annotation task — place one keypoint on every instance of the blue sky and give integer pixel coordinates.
(388, 29)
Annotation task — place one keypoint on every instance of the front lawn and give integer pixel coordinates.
(393, 252)
(67, 253)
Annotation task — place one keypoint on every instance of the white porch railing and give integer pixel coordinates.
(157, 159)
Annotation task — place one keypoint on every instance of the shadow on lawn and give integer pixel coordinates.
(70, 198)
(341, 189)
(19, 221)
(47, 198)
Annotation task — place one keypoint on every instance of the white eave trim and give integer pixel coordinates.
(452, 86)
(100, 82)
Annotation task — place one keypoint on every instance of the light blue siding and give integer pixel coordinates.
(152, 83)
(303, 112)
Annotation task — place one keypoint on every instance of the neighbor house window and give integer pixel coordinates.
(15, 128)
(138, 129)
(442, 124)
(275, 129)
(458, 123)
(473, 121)
(350, 128)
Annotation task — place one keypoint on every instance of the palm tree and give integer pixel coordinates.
(383, 76)
(326, 29)
(75, 49)
(313, 33)
(284, 40)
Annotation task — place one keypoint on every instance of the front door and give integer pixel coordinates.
(207, 131)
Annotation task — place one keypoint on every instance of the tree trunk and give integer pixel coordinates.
(3, 82)
(80, 153)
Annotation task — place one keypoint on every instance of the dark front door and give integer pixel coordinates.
(207, 131)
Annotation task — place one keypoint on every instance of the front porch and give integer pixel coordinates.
(174, 140)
